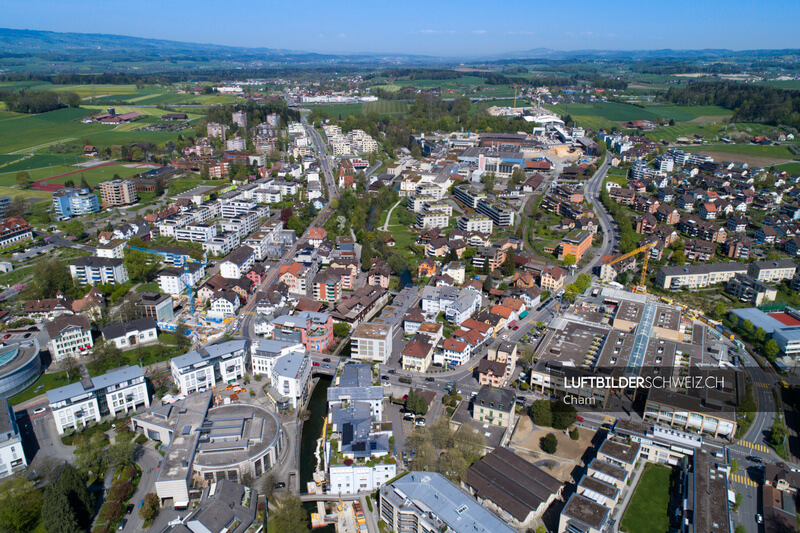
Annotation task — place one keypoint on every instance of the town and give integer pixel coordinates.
(361, 302)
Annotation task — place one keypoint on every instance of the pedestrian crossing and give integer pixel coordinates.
(757, 447)
(743, 480)
(763, 385)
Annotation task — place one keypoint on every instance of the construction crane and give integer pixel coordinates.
(515, 94)
(177, 260)
(641, 288)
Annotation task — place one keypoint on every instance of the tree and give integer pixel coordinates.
(452, 464)
(290, 516)
(509, 265)
(771, 349)
(121, 453)
(20, 505)
(50, 276)
(549, 443)
(564, 414)
(141, 267)
(487, 283)
(341, 329)
(569, 259)
(679, 257)
(84, 183)
(719, 309)
(23, 180)
(57, 514)
(488, 180)
(777, 434)
(75, 228)
(517, 177)
(268, 483)
(90, 452)
(17, 208)
(541, 413)
(747, 326)
(574, 434)
(760, 334)
(366, 256)
(416, 403)
(737, 501)
(149, 510)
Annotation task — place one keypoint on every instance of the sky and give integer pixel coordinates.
(447, 28)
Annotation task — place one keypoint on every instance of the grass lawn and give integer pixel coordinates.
(40, 161)
(148, 355)
(789, 168)
(93, 175)
(149, 111)
(618, 175)
(29, 131)
(167, 338)
(773, 152)
(336, 111)
(648, 508)
(148, 287)
(45, 383)
(386, 107)
(29, 193)
(15, 276)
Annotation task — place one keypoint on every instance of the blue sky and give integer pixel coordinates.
(432, 27)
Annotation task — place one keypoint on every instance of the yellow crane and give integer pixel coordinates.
(515, 94)
(642, 288)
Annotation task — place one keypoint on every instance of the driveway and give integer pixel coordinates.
(148, 460)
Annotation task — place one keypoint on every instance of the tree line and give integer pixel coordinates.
(749, 103)
(25, 101)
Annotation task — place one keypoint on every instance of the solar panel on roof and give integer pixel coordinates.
(347, 433)
(186, 430)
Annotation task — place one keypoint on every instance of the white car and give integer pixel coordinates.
(39, 410)
(759, 518)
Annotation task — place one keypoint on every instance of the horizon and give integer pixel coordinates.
(444, 30)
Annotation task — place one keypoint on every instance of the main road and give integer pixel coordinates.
(592, 194)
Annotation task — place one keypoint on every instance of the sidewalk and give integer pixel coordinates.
(627, 493)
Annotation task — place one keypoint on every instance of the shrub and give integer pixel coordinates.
(141, 439)
(257, 377)
(549, 443)
(524, 386)
(120, 491)
(574, 434)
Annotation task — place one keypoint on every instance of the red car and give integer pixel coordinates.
(580, 419)
(516, 328)
(316, 364)
(7, 335)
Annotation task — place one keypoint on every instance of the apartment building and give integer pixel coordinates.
(196, 233)
(494, 406)
(371, 342)
(237, 263)
(94, 270)
(175, 280)
(222, 244)
(90, 399)
(133, 333)
(155, 305)
(468, 196)
(690, 413)
(500, 214)
(697, 276)
(12, 455)
(475, 222)
(771, 271)
(203, 368)
(431, 220)
(70, 336)
(575, 243)
(70, 202)
(118, 192)
(313, 330)
(750, 290)
(243, 224)
(14, 230)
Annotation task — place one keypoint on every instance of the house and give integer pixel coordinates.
(494, 406)
(371, 342)
(90, 399)
(504, 352)
(14, 230)
(523, 280)
(766, 234)
(70, 336)
(645, 224)
(552, 279)
(417, 354)
(697, 250)
(737, 224)
(131, 334)
(225, 304)
(412, 321)
(257, 274)
(48, 309)
(456, 352)
(426, 268)
(203, 368)
(667, 214)
(238, 263)
(708, 211)
(737, 247)
(316, 236)
(456, 270)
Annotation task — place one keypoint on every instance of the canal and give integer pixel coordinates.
(312, 430)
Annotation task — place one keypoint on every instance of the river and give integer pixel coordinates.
(312, 430)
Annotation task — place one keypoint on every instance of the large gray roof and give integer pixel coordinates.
(114, 377)
(208, 352)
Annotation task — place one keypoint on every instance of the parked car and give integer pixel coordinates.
(392, 371)
(419, 422)
(141, 504)
(385, 377)
(7, 335)
(316, 363)
(326, 365)
(409, 417)
(280, 485)
(430, 378)
(327, 360)
(759, 518)
(579, 419)
(129, 509)
(39, 410)
(122, 524)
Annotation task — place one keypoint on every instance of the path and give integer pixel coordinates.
(389, 216)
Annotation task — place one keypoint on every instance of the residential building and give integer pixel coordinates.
(90, 399)
(504, 352)
(697, 276)
(313, 330)
(155, 305)
(431, 220)
(196, 233)
(420, 502)
(114, 249)
(552, 279)
(118, 192)
(175, 280)
(14, 230)
(237, 263)
(203, 368)
(475, 222)
(583, 515)
(131, 334)
(494, 406)
(327, 286)
(222, 244)
(371, 342)
(225, 304)
(500, 214)
(417, 355)
(456, 270)
(691, 413)
(355, 385)
(750, 290)
(70, 336)
(69, 202)
(772, 271)
(575, 243)
(94, 270)
(12, 455)
(456, 352)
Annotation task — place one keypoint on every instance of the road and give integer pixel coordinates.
(318, 145)
(592, 194)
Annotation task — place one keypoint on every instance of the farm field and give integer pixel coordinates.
(386, 107)
(771, 152)
(789, 168)
(149, 111)
(609, 114)
(30, 131)
(335, 111)
(93, 175)
(26, 194)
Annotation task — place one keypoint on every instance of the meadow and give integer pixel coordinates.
(610, 114)
(93, 175)
(29, 131)
(753, 150)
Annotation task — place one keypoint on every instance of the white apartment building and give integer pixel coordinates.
(175, 280)
(475, 222)
(202, 368)
(358, 478)
(113, 250)
(196, 233)
(222, 244)
(432, 220)
(238, 263)
(233, 208)
(697, 276)
(12, 456)
(268, 196)
(91, 399)
(70, 336)
(237, 144)
(243, 224)
(224, 304)
(772, 270)
(94, 270)
(371, 342)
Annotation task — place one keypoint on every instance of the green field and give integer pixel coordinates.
(148, 111)
(40, 161)
(343, 110)
(609, 114)
(93, 175)
(386, 107)
(43, 384)
(753, 150)
(26, 194)
(648, 509)
(687, 113)
(28, 131)
(789, 168)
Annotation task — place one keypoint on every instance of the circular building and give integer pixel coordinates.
(237, 439)
(20, 366)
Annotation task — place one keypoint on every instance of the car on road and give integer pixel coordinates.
(327, 360)
(316, 363)
(122, 524)
(326, 365)
(385, 377)
(392, 371)
(141, 504)
(755, 459)
(430, 378)
(579, 418)
(129, 509)
(39, 410)
(759, 518)
(280, 485)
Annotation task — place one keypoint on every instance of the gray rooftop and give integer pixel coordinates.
(448, 505)
(222, 350)
(115, 377)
